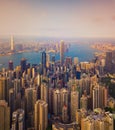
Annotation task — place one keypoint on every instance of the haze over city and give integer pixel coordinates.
(57, 65)
(55, 18)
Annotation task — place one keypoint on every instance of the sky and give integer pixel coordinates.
(57, 18)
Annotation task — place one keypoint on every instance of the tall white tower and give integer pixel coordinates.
(12, 43)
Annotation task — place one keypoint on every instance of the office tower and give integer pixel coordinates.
(12, 44)
(38, 80)
(33, 73)
(108, 64)
(41, 115)
(44, 91)
(43, 61)
(10, 65)
(4, 115)
(74, 104)
(84, 102)
(18, 120)
(62, 52)
(56, 102)
(47, 60)
(23, 64)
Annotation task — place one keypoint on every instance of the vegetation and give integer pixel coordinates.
(109, 84)
(49, 127)
(111, 110)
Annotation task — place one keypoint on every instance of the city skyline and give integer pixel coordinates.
(73, 19)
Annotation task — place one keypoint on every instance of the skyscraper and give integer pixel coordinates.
(47, 60)
(62, 52)
(96, 97)
(44, 91)
(12, 44)
(108, 61)
(18, 122)
(65, 114)
(31, 97)
(3, 88)
(41, 115)
(23, 64)
(74, 104)
(56, 102)
(11, 65)
(64, 97)
(43, 60)
(4, 115)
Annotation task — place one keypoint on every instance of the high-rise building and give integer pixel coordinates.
(62, 52)
(43, 59)
(68, 60)
(12, 44)
(41, 115)
(11, 101)
(31, 98)
(18, 120)
(4, 115)
(56, 102)
(50, 100)
(23, 64)
(44, 91)
(10, 65)
(84, 102)
(108, 64)
(65, 114)
(74, 104)
(3, 89)
(87, 124)
(64, 97)
(76, 60)
(96, 97)
(47, 60)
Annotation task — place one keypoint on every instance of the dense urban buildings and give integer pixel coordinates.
(57, 95)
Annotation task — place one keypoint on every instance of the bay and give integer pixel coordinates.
(83, 51)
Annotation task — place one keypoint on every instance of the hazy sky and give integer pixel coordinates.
(56, 18)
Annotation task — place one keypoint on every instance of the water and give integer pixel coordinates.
(83, 51)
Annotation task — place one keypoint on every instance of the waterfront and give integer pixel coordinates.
(83, 51)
